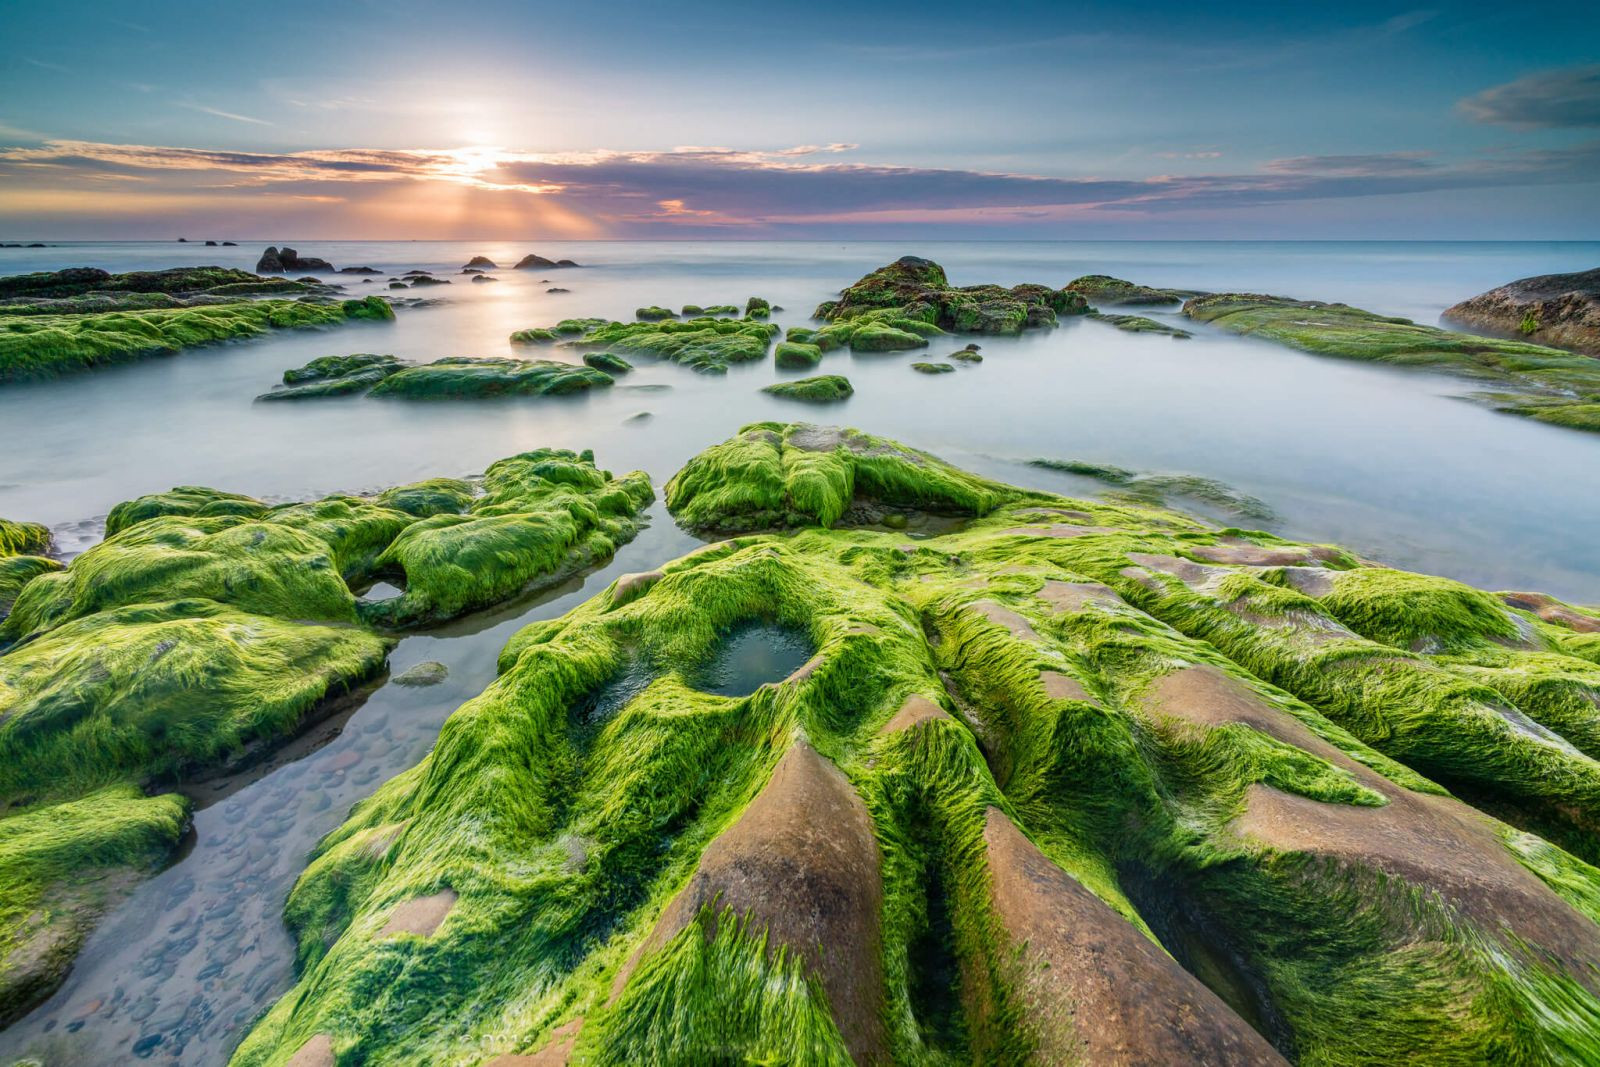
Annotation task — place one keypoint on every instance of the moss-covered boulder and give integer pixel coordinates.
(541, 517)
(823, 389)
(455, 377)
(654, 313)
(1140, 324)
(1103, 289)
(609, 362)
(209, 625)
(706, 344)
(796, 355)
(1550, 385)
(1069, 782)
(933, 368)
(23, 538)
(22, 558)
(917, 290)
(48, 345)
(464, 376)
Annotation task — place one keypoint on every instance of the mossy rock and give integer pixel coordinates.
(466, 377)
(1555, 386)
(23, 538)
(1106, 290)
(932, 368)
(45, 346)
(916, 290)
(796, 355)
(880, 337)
(606, 361)
(655, 314)
(706, 344)
(1140, 324)
(823, 389)
(1048, 773)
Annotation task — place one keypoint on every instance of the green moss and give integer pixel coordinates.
(572, 802)
(1558, 387)
(915, 289)
(654, 314)
(543, 516)
(44, 346)
(932, 368)
(1104, 289)
(796, 355)
(706, 344)
(16, 572)
(61, 866)
(536, 335)
(607, 362)
(464, 376)
(77, 281)
(1140, 324)
(823, 389)
(878, 337)
(23, 538)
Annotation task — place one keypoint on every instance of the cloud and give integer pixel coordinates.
(1565, 99)
(1384, 163)
(226, 114)
(722, 189)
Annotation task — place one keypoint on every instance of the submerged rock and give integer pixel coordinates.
(823, 389)
(611, 364)
(915, 291)
(1071, 782)
(1140, 324)
(1562, 310)
(932, 368)
(1551, 385)
(1158, 489)
(427, 673)
(455, 377)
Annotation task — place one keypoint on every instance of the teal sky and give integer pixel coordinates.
(822, 120)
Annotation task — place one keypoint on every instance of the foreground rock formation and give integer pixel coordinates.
(1062, 782)
(459, 377)
(63, 321)
(915, 291)
(706, 344)
(1545, 383)
(1554, 309)
(210, 625)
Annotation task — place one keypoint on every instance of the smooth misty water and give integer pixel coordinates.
(1388, 462)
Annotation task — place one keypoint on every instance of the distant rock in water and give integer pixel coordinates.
(531, 260)
(359, 270)
(1553, 309)
(482, 263)
(484, 278)
(286, 259)
(211, 244)
(1104, 289)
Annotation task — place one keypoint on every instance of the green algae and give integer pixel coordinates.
(654, 314)
(1041, 668)
(1104, 289)
(933, 368)
(822, 389)
(44, 346)
(23, 538)
(705, 344)
(1554, 386)
(209, 625)
(542, 516)
(606, 361)
(796, 355)
(454, 377)
(1140, 324)
(464, 376)
(916, 290)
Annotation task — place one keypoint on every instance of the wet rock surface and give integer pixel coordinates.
(1562, 310)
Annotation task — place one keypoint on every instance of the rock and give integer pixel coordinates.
(914, 294)
(481, 263)
(932, 368)
(796, 355)
(654, 314)
(530, 261)
(471, 270)
(1562, 310)
(283, 260)
(230, 244)
(420, 280)
(824, 389)
(1140, 324)
(558, 289)
(484, 278)
(359, 270)
(211, 244)
(607, 362)
(429, 672)
(1104, 289)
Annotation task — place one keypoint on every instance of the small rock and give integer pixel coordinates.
(430, 672)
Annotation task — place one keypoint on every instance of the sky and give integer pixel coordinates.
(492, 120)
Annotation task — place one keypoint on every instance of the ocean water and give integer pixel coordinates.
(1391, 463)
